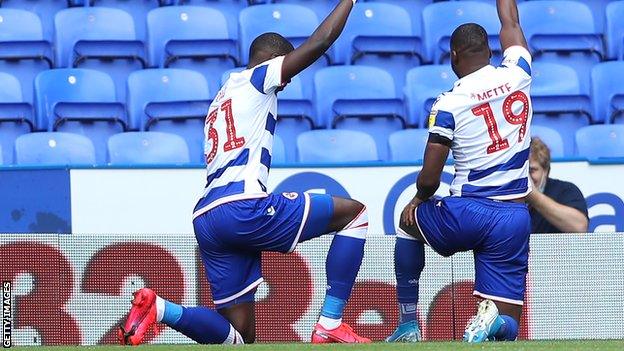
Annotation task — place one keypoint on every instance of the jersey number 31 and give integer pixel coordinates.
(232, 142)
(485, 111)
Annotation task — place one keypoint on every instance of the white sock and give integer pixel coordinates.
(160, 309)
(329, 323)
(233, 338)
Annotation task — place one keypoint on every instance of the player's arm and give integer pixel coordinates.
(511, 33)
(317, 44)
(428, 181)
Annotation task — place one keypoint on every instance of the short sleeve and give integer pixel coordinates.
(517, 56)
(267, 77)
(441, 121)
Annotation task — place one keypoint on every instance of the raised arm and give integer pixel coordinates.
(511, 32)
(322, 38)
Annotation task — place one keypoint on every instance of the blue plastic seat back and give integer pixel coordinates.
(336, 146)
(552, 138)
(143, 148)
(408, 145)
(608, 91)
(10, 89)
(70, 85)
(279, 151)
(600, 141)
(138, 9)
(19, 25)
(372, 20)
(566, 124)
(12, 110)
(293, 22)
(413, 8)
(229, 8)
(423, 85)
(54, 148)
(162, 85)
(348, 83)
(90, 24)
(554, 79)
(45, 10)
(321, 8)
(187, 23)
(441, 19)
(615, 30)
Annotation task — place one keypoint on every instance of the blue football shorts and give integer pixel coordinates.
(497, 233)
(233, 235)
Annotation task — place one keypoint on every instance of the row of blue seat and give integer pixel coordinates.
(149, 148)
(176, 100)
(206, 39)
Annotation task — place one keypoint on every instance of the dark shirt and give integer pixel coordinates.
(564, 193)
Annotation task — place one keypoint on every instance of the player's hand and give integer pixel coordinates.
(408, 216)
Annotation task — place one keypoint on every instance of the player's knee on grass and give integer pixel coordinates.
(345, 211)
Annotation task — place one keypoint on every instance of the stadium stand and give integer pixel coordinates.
(422, 86)
(600, 141)
(562, 32)
(359, 98)
(408, 145)
(54, 148)
(320, 7)
(170, 100)
(345, 146)
(381, 35)
(608, 92)
(181, 37)
(45, 10)
(99, 38)
(80, 101)
(279, 152)
(230, 9)
(23, 50)
(142, 148)
(138, 9)
(15, 115)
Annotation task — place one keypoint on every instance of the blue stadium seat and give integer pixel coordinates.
(359, 98)
(608, 91)
(413, 8)
(562, 32)
(54, 148)
(295, 113)
(294, 22)
(408, 145)
(182, 37)
(99, 38)
(278, 156)
(599, 141)
(441, 19)
(422, 87)
(321, 8)
(381, 35)
(147, 148)
(80, 101)
(230, 8)
(45, 9)
(15, 115)
(615, 30)
(138, 9)
(551, 138)
(336, 146)
(558, 102)
(170, 100)
(23, 50)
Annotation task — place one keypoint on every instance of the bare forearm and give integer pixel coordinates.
(565, 218)
(507, 11)
(511, 32)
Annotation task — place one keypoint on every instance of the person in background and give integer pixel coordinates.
(556, 206)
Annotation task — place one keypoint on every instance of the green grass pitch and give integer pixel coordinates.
(425, 346)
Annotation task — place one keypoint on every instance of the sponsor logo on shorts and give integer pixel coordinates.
(290, 196)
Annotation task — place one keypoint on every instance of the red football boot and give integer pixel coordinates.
(343, 334)
(142, 316)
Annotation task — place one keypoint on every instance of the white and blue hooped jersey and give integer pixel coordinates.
(239, 132)
(487, 116)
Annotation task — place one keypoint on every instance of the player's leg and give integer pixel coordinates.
(501, 266)
(348, 220)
